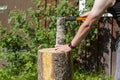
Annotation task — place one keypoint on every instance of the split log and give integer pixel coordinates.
(54, 66)
(60, 34)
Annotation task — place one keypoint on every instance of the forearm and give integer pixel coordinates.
(83, 31)
(98, 9)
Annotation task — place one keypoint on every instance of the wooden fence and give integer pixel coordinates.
(103, 49)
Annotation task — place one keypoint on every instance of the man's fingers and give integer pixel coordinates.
(59, 48)
(60, 51)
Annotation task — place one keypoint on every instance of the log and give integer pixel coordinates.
(105, 46)
(60, 34)
(54, 66)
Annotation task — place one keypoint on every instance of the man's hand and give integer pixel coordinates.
(63, 48)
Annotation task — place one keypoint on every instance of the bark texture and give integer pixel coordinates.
(60, 34)
(54, 66)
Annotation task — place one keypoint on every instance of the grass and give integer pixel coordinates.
(90, 76)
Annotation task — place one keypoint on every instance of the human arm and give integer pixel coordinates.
(98, 9)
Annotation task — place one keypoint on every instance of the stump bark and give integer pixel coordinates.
(54, 66)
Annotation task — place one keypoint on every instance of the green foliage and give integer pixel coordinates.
(89, 4)
(27, 35)
(90, 76)
(19, 66)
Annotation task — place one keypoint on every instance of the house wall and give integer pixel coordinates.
(11, 4)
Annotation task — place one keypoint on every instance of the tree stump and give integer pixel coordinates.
(54, 66)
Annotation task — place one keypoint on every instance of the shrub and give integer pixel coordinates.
(26, 36)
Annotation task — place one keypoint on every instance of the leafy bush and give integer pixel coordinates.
(23, 40)
(19, 66)
(27, 35)
(90, 76)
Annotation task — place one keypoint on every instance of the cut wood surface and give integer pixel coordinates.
(53, 65)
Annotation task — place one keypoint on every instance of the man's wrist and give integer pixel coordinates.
(71, 46)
